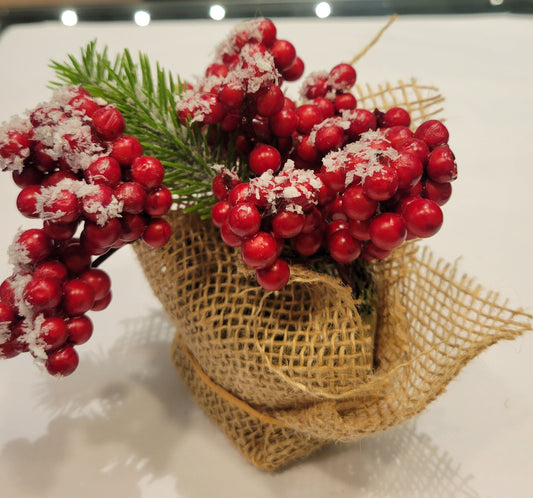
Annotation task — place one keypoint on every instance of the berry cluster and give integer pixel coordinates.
(94, 191)
(326, 176)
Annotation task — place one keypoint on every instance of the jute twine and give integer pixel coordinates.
(285, 373)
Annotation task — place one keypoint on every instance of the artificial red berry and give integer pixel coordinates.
(126, 149)
(60, 231)
(80, 329)
(219, 213)
(284, 54)
(108, 122)
(53, 333)
(287, 224)
(343, 247)
(99, 281)
(269, 101)
(414, 146)
(157, 233)
(409, 169)
(104, 171)
(63, 361)
(357, 205)
(439, 193)
(345, 102)
(102, 304)
(359, 229)
(328, 138)
(78, 297)
(275, 277)
(231, 94)
(441, 167)
(423, 217)
(382, 184)
(263, 158)
(244, 219)
(158, 202)
(28, 176)
(433, 132)
(396, 116)
(308, 116)
(132, 195)
(51, 269)
(42, 293)
(35, 244)
(259, 251)
(342, 77)
(284, 123)
(294, 71)
(132, 227)
(75, 257)
(148, 171)
(395, 134)
(326, 107)
(387, 231)
(361, 121)
(307, 244)
(27, 201)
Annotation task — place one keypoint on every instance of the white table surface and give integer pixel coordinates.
(124, 424)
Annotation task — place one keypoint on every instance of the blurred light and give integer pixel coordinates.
(496, 2)
(323, 10)
(69, 18)
(217, 12)
(142, 18)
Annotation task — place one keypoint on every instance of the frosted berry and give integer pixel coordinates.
(53, 333)
(51, 269)
(42, 293)
(35, 244)
(328, 138)
(382, 184)
(342, 77)
(361, 121)
(108, 122)
(132, 195)
(126, 149)
(409, 169)
(269, 101)
(105, 171)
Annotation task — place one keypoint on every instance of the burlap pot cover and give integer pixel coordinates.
(287, 372)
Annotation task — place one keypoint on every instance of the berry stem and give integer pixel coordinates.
(100, 259)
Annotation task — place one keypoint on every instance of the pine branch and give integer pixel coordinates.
(147, 99)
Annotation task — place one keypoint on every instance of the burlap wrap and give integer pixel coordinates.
(285, 373)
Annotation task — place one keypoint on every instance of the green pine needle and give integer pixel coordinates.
(147, 99)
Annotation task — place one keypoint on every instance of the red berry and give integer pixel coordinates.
(396, 116)
(27, 201)
(63, 207)
(284, 54)
(264, 158)
(9, 350)
(78, 297)
(228, 236)
(259, 251)
(35, 244)
(94, 205)
(345, 102)
(387, 231)
(423, 217)
(409, 169)
(7, 314)
(441, 167)
(343, 247)
(439, 193)
(99, 281)
(287, 224)
(395, 134)
(414, 146)
(63, 361)
(307, 244)
(306, 150)
(382, 184)
(126, 149)
(132, 195)
(372, 252)
(342, 77)
(326, 107)
(231, 94)
(294, 71)
(244, 219)
(42, 293)
(269, 101)
(60, 231)
(80, 329)
(157, 233)
(308, 116)
(75, 258)
(148, 171)
(51, 269)
(219, 213)
(361, 121)
(53, 333)
(284, 123)
(132, 227)
(328, 138)
(104, 171)
(28, 176)
(335, 226)
(108, 122)
(102, 304)
(158, 201)
(359, 229)
(275, 277)
(433, 132)
(357, 205)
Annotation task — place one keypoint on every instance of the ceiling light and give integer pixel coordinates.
(142, 18)
(69, 17)
(323, 10)
(217, 12)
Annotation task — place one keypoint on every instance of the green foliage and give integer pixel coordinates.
(146, 96)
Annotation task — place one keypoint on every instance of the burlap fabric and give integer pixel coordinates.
(285, 373)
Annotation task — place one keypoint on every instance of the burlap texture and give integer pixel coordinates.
(284, 373)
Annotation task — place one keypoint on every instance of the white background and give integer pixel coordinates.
(125, 425)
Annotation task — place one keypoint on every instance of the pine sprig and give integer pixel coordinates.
(147, 99)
